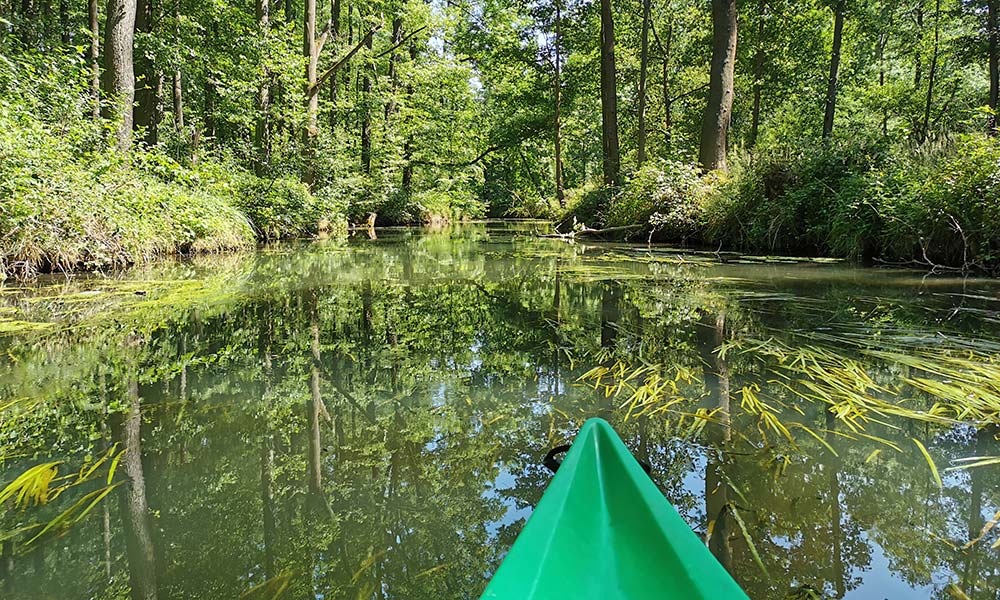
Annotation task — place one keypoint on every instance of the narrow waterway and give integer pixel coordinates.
(365, 419)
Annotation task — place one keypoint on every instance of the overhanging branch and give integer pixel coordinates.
(316, 87)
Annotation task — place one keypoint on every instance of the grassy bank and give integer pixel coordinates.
(67, 201)
(938, 206)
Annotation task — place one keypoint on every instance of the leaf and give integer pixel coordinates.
(75, 513)
(930, 463)
(114, 465)
(746, 538)
(32, 486)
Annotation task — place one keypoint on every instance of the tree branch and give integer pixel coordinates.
(316, 87)
(401, 42)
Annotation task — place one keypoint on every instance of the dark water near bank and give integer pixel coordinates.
(366, 419)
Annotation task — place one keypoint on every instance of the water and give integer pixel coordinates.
(366, 419)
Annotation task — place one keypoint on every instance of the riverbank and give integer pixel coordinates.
(935, 207)
(67, 203)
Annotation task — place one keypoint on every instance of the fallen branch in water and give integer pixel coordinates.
(587, 231)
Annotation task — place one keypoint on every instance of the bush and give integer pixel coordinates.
(283, 208)
(811, 199)
(62, 208)
(942, 204)
(668, 196)
(587, 205)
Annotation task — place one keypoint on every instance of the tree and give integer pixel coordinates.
(832, 83)
(148, 113)
(643, 71)
(609, 98)
(94, 57)
(557, 117)
(119, 74)
(262, 123)
(715, 125)
(993, 45)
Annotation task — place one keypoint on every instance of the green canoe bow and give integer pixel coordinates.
(603, 530)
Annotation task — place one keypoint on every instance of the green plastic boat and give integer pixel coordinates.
(603, 530)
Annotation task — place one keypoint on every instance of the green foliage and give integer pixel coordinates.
(668, 195)
(283, 208)
(935, 206)
(62, 209)
(809, 199)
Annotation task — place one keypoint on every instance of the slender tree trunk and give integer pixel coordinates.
(262, 126)
(918, 63)
(310, 51)
(557, 121)
(643, 71)
(758, 75)
(718, 112)
(139, 535)
(6, 561)
(150, 85)
(832, 81)
(27, 23)
(178, 82)
(407, 183)
(609, 98)
(267, 503)
(94, 57)
(119, 73)
(993, 7)
(883, 40)
(611, 300)
(668, 121)
(932, 74)
(397, 36)
(366, 114)
(335, 36)
(66, 34)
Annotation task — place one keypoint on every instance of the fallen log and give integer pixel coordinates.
(590, 232)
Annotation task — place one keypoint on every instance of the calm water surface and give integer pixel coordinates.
(365, 419)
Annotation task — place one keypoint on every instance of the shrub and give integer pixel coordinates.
(283, 208)
(669, 196)
(812, 199)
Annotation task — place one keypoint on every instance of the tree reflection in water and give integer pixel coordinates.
(366, 420)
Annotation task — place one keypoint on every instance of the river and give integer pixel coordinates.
(366, 418)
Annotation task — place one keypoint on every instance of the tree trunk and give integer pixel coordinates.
(715, 126)
(66, 35)
(397, 36)
(334, 35)
(557, 121)
(262, 126)
(408, 144)
(139, 535)
(178, 83)
(609, 98)
(366, 115)
(932, 75)
(94, 57)
(119, 73)
(711, 334)
(27, 23)
(668, 121)
(831, 88)
(758, 76)
(993, 6)
(311, 53)
(149, 88)
(643, 70)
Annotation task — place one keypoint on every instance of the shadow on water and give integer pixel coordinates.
(365, 418)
